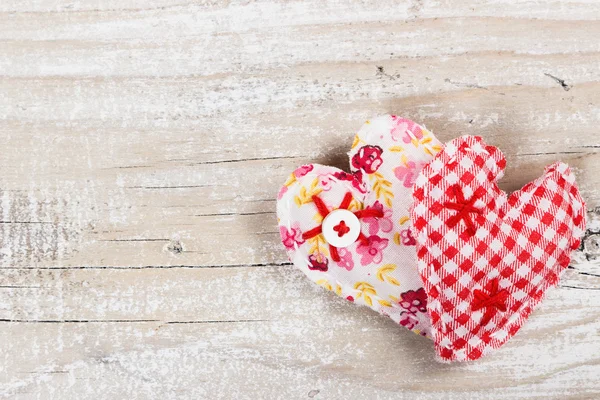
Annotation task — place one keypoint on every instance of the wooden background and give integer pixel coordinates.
(142, 143)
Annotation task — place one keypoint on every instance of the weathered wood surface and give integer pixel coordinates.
(142, 143)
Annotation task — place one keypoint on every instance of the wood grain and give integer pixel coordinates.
(142, 144)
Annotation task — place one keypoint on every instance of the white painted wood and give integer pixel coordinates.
(141, 147)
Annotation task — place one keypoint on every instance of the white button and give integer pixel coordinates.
(341, 228)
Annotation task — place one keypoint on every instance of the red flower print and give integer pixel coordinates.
(414, 301)
(406, 130)
(417, 134)
(303, 170)
(355, 178)
(318, 262)
(346, 260)
(408, 173)
(407, 238)
(291, 238)
(399, 129)
(325, 181)
(372, 250)
(408, 320)
(384, 223)
(368, 159)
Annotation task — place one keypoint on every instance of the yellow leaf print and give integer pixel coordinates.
(404, 160)
(318, 245)
(366, 291)
(338, 290)
(356, 142)
(324, 283)
(385, 303)
(397, 238)
(425, 142)
(393, 281)
(383, 274)
(355, 205)
(382, 188)
(364, 287)
(306, 196)
(291, 180)
(396, 149)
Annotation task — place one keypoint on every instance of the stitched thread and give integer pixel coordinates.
(495, 298)
(334, 253)
(324, 211)
(363, 239)
(341, 228)
(464, 208)
(346, 202)
(321, 206)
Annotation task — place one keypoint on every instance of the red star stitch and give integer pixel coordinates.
(494, 300)
(520, 243)
(464, 208)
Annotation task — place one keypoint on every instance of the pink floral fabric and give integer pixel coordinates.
(380, 270)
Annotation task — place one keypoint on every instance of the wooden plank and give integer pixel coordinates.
(130, 194)
(262, 332)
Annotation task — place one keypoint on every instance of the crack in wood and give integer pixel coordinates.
(76, 321)
(226, 321)
(128, 167)
(561, 82)
(27, 222)
(171, 187)
(381, 72)
(467, 85)
(551, 153)
(135, 240)
(577, 287)
(19, 287)
(248, 159)
(111, 321)
(227, 214)
(583, 272)
(182, 266)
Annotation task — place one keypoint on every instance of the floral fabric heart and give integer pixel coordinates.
(487, 259)
(351, 232)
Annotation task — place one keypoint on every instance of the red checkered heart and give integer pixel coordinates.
(487, 259)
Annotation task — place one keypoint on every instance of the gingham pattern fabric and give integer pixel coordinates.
(487, 259)
(381, 271)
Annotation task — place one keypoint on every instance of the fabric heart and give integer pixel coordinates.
(487, 259)
(351, 233)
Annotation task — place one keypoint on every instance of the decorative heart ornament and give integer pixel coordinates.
(487, 259)
(351, 232)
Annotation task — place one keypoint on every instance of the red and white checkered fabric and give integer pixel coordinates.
(487, 259)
